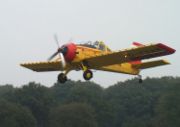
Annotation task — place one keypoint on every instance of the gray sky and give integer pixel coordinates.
(27, 28)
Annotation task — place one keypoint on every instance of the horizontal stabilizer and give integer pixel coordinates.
(150, 64)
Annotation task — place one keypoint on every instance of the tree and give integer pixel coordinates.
(154, 103)
(72, 115)
(14, 115)
(38, 99)
(129, 100)
(85, 92)
(7, 92)
(60, 92)
(167, 111)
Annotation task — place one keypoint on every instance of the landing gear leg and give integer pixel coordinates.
(87, 74)
(140, 78)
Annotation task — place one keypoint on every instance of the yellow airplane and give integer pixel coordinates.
(98, 56)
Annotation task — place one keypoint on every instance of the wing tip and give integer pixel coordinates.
(22, 64)
(168, 49)
(166, 61)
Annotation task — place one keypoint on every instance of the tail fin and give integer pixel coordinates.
(137, 44)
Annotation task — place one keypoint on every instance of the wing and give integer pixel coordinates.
(150, 64)
(127, 55)
(43, 66)
(120, 68)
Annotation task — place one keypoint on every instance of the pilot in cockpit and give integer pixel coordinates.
(100, 45)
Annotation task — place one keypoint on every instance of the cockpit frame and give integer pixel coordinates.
(96, 45)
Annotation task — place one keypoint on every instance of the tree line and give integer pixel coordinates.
(154, 103)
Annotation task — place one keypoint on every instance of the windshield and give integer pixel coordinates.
(97, 45)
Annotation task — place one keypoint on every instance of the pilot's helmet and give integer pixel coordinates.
(96, 43)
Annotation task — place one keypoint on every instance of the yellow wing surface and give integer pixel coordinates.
(44, 66)
(150, 64)
(133, 69)
(128, 55)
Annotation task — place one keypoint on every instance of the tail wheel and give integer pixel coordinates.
(140, 81)
(62, 78)
(87, 74)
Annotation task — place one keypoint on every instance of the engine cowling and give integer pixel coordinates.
(69, 51)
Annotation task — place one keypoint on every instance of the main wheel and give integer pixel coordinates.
(62, 78)
(87, 74)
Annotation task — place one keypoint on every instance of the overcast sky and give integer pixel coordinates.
(27, 28)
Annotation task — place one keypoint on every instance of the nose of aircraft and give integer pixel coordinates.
(69, 51)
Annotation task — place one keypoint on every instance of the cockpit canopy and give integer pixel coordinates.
(97, 45)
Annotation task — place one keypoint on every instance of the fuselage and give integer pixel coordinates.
(84, 52)
(76, 53)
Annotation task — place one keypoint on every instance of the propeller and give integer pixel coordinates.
(59, 51)
(52, 56)
(62, 60)
(56, 40)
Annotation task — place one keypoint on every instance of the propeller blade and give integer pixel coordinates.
(52, 56)
(62, 60)
(56, 40)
